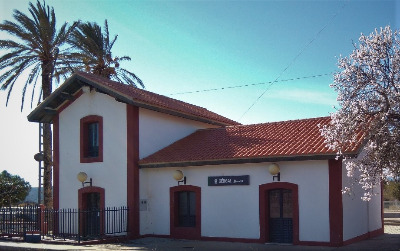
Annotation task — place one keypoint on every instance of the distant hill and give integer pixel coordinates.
(33, 195)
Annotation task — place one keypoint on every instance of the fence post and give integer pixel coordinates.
(41, 223)
(79, 225)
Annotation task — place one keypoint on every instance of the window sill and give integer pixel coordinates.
(91, 159)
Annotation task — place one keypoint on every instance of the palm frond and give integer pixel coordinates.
(36, 40)
(93, 53)
(34, 87)
(132, 76)
(124, 58)
(10, 44)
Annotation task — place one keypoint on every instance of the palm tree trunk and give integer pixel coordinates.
(48, 164)
(47, 138)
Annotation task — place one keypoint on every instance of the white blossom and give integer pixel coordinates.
(368, 87)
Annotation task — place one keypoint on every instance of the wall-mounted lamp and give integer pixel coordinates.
(82, 177)
(39, 157)
(178, 176)
(274, 170)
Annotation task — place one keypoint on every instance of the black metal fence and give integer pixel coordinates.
(73, 224)
(15, 221)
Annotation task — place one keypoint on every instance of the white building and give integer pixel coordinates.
(130, 142)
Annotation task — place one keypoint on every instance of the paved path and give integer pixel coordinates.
(389, 241)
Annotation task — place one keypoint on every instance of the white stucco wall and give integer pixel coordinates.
(158, 130)
(109, 174)
(359, 217)
(312, 178)
(233, 211)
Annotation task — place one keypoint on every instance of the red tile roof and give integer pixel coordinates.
(153, 99)
(280, 140)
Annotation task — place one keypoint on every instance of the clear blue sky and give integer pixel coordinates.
(185, 46)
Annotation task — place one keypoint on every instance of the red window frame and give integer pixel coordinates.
(84, 123)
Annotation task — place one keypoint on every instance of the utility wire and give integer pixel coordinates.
(240, 86)
(293, 60)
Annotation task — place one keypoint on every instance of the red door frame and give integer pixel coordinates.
(82, 204)
(184, 232)
(264, 206)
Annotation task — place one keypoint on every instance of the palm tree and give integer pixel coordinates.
(93, 54)
(36, 48)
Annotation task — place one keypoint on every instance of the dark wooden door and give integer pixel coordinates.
(92, 214)
(280, 216)
(187, 209)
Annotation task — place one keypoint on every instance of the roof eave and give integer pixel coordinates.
(242, 160)
(39, 113)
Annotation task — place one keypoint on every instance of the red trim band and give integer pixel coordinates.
(132, 185)
(365, 236)
(335, 203)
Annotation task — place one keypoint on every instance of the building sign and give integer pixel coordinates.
(228, 180)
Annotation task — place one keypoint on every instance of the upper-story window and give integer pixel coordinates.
(91, 139)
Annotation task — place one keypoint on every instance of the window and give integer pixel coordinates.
(187, 209)
(91, 139)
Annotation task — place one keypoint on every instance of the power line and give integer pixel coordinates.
(247, 85)
(292, 62)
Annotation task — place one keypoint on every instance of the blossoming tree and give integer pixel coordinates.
(368, 87)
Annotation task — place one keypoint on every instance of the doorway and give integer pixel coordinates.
(92, 214)
(185, 212)
(280, 216)
(91, 207)
(279, 212)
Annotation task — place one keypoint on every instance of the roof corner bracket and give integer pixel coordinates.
(50, 111)
(67, 96)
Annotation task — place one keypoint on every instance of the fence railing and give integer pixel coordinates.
(15, 221)
(64, 223)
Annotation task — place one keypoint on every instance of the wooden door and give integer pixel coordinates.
(280, 216)
(92, 214)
